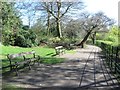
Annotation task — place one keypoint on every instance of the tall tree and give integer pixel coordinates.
(11, 22)
(58, 10)
(93, 24)
(33, 9)
(48, 6)
(0, 21)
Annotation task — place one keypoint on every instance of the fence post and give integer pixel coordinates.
(116, 57)
(112, 57)
(109, 52)
(105, 51)
(108, 56)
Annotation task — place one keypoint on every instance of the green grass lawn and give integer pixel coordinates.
(46, 53)
(42, 51)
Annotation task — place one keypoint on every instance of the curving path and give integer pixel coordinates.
(83, 70)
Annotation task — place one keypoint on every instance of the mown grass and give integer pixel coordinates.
(42, 51)
(39, 50)
(47, 54)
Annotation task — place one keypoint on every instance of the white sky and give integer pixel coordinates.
(109, 7)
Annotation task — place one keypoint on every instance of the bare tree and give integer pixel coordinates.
(93, 24)
(72, 29)
(58, 10)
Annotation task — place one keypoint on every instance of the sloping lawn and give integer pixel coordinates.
(42, 51)
(45, 53)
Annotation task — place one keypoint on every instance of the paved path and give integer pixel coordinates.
(83, 69)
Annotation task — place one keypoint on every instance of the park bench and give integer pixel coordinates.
(23, 58)
(59, 50)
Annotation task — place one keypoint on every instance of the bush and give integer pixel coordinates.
(100, 36)
(53, 42)
(25, 39)
(98, 42)
(8, 39)
(113, 36)
(28, 43)
(20, 41)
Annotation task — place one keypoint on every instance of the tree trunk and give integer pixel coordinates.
(48, 19)
(84, 40)
(48, 24)
(93, 41)
(94, 38)
(56, 13)
(59, 29)
(86, 37)
(58, 20)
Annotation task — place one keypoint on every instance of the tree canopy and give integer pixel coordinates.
(51, 22)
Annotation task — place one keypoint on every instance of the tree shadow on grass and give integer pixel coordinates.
(51, 54)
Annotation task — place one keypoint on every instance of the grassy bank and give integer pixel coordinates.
(47, 54)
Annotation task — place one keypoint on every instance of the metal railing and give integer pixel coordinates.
(112, 55)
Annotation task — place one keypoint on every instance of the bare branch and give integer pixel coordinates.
(66, 10)
(45, 6)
